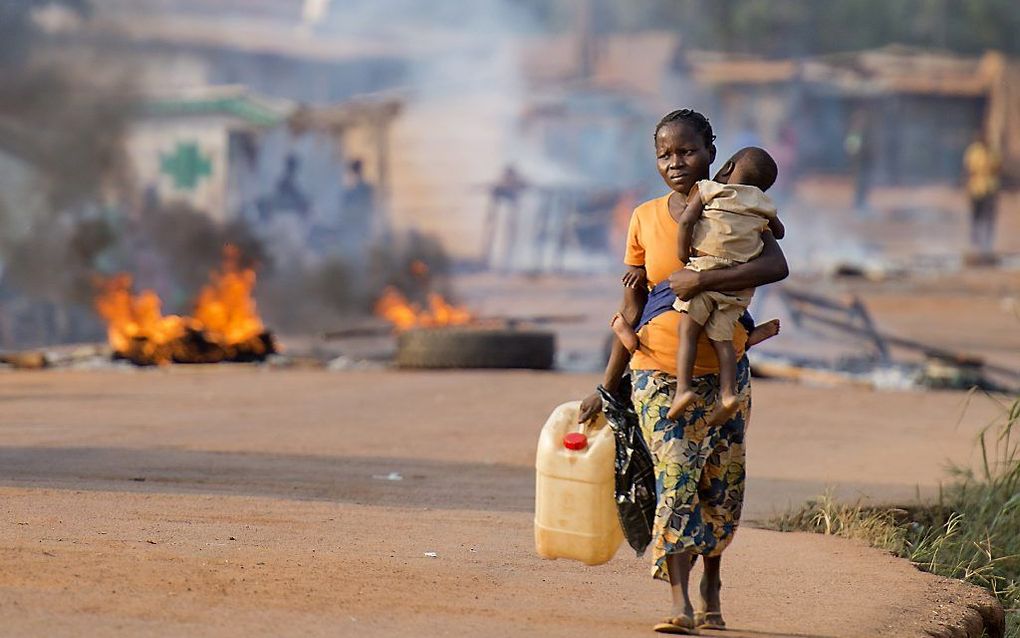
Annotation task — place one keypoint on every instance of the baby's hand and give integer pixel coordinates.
(635, 278)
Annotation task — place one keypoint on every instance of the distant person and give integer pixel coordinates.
(284, 217)
(859, 150)
(982, 166)
(504, 195)
(785, 152)
(359, 207)
(287, 196)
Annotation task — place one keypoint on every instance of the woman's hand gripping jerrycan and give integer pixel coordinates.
(575, 506)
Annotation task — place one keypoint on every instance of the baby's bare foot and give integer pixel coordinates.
(727, 408)
(624, 333)
(763, 332)
(682, 399)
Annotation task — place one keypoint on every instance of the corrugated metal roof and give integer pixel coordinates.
(880, 71)
(234, 101)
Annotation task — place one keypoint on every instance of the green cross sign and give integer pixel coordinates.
(186, 165)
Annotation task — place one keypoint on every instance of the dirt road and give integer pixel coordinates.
(242, 501)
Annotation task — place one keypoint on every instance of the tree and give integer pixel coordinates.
(18, 30)
(808, 27)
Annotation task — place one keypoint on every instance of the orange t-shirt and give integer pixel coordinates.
(652, 243)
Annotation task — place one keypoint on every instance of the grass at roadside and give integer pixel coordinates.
(971, 533)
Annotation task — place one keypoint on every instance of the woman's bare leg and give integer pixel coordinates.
(728, 401)
(690, 330)
(711, 584)
(679, 568)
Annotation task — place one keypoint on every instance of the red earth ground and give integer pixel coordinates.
(241, 500)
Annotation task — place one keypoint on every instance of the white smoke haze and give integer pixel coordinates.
(466, 94)
(469, 83)
(455, 66)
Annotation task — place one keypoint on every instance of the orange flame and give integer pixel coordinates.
(225, 315)
(395, 308)
(130, 318)
(225, 307)
(445, 314)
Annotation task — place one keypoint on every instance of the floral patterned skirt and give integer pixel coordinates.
(699, 469)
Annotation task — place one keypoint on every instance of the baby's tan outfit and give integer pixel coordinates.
(728, 233)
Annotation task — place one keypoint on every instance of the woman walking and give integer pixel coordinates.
(699, 467)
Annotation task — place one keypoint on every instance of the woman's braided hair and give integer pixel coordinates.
(698, 122)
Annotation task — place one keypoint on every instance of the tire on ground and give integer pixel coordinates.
(475, 348)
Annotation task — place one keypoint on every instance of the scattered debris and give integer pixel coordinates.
(276, 360)
(940, 373)
(875, 368)
(846, 270)
(822, 373)
(26, 360)
(79, 356)
(980, 260)
(872, 270)
(343, 363)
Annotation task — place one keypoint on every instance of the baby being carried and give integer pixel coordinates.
(721, 227)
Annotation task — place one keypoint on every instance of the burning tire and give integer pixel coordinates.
(475, 348)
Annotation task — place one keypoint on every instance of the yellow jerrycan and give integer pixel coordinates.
(575, 506)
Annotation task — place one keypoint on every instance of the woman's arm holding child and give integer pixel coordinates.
(769, 267)
(776, 228)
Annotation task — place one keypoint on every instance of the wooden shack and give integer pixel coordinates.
(915, 110)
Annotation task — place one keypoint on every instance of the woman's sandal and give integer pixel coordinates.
(682, 625)
(709, 620)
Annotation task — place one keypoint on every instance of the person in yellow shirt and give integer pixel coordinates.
(982, 165)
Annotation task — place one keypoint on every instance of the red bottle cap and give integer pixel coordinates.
(575, 441)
